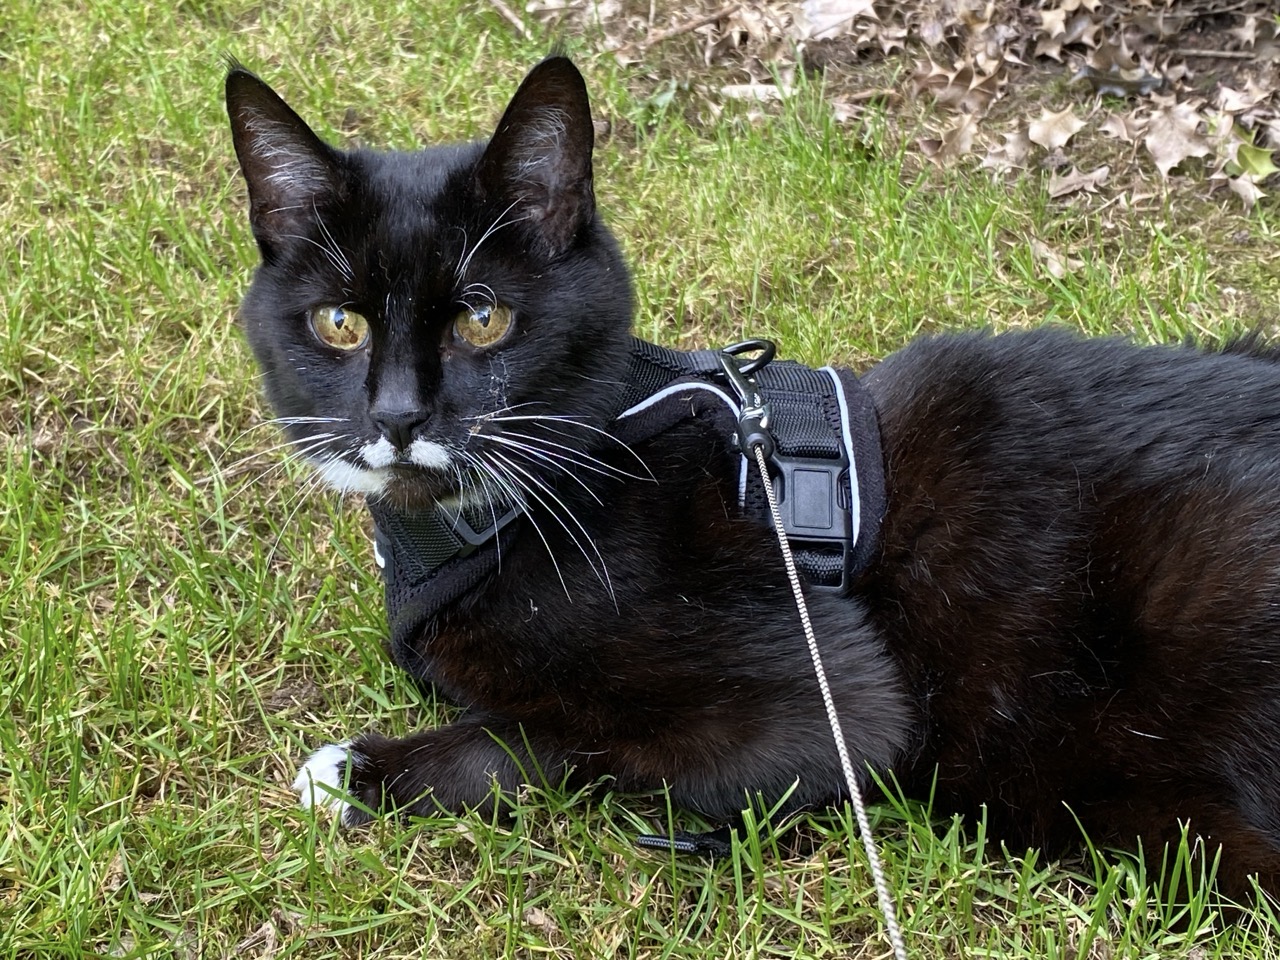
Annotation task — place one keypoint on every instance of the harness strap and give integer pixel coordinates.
(826, 472)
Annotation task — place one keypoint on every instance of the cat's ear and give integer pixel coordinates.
(539, 159)
(291, 172)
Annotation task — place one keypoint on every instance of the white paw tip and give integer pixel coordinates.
(322, 780)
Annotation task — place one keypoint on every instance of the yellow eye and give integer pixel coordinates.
(340, 328)
(483, 326)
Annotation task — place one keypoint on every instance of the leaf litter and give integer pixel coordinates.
(1190, 87)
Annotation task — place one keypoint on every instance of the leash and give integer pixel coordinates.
(754, 436)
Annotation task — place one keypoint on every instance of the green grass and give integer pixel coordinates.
(180, 620)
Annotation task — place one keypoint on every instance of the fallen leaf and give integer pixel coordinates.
(1054, 22)
(759, 92)
(537, 917)
(1076, 181)
(1011, 155)
(1172, 136)
(963, 89)
(829, 19)
(1236, 101)
(954, 143)
(1126, 127)
(1048, 47)
(1081, 29)
(1255, 162)
(1247, 32)
(1056, 264)
(1053, 130)
(1155, 24)
(1130, 200)
(1248, 191)
(1112, 70)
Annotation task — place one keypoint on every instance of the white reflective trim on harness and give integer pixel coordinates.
(378, 558)
(855, 505)
(732, 404)
(675, 388)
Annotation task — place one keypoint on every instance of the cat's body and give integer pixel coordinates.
(1074, 613)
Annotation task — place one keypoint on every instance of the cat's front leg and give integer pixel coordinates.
(451, 768)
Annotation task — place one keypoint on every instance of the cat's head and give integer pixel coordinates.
(432, 325)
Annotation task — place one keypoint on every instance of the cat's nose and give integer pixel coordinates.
(400, 426)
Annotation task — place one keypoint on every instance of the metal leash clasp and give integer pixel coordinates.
(753, 421)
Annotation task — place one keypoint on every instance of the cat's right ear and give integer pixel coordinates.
(538, 162)
(291, 172)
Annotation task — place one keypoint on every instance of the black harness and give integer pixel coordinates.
(818, 425)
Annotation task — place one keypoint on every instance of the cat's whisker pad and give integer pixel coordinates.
(380, 453)
(429, 454)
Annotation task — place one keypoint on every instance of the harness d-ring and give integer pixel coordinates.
(768, 350)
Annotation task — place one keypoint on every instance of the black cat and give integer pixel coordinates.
(1073, 606)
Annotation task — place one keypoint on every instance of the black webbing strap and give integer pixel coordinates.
(826, 468)
(429, 558)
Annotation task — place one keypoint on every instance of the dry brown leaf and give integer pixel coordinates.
(954, 143)
(1075, 181)
(1054, 22)
(1056, 264)
(1011, 155)
(1155, 24)
(1248, 191)
(541, 920)
(1111, 69)
(1247, 32)
(1082, 29)
(1123, 126)
(962, 89)
(1236, 101)
(1048, 47)
(759, 92)
(1173, 136)
(1053, 130)
(829, 19)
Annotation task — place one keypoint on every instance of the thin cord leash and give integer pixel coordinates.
(855, 795)
(754, 436)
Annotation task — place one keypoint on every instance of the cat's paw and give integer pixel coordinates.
(330, 779)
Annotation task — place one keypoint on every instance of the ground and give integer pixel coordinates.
(184, 617)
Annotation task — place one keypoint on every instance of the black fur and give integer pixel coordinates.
(1076, 610)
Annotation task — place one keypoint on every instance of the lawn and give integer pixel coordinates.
(183, 616)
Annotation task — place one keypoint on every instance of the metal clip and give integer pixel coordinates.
(753, 421)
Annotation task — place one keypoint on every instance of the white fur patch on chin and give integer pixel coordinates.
(326, 768)
(348, 478)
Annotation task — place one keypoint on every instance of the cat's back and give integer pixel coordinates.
(1080, 556)
(1043, 398)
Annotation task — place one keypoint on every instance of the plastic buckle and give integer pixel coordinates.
(814, 503)
(472, 538)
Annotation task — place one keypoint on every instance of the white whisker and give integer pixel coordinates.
(527, 450)
(602, 573)
(498, 224)
(541, 419)
(516, 490)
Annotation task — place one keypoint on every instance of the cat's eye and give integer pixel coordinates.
(340, 328)
(483, 326)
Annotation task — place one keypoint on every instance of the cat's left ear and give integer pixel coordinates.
(539, 159)
(292, 174)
